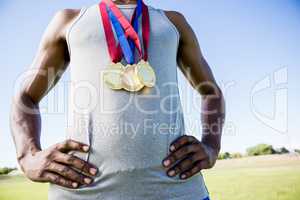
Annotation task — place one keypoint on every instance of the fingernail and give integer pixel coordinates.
(167, 163)
(74, 185)
(183, 176)
(172, 148)
(93, 171)
(171, 173)
(85, 148)
(87, 180)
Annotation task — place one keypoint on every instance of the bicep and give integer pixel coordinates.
(50, 61)
(191, 61)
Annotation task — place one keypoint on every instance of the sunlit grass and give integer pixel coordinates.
(263, 178)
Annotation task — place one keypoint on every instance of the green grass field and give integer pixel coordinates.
(256, 178)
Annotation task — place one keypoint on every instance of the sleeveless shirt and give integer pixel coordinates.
(129, 133)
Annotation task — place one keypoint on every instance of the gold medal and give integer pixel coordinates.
(113, 76)
(130, 80)
(133, 77)
(146, 73)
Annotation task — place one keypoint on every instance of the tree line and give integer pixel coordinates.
(6, 170)
(260, 149)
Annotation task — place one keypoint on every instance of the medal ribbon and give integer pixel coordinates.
(110, 11)
(142, 8)
(135, 21)
(128, 53)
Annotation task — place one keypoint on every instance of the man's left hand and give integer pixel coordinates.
(188, 156)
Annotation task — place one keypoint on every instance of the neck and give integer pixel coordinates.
(124, 2)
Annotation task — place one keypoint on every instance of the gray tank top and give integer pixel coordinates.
(129, 133)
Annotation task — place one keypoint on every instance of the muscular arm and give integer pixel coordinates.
(50, 62)
(198, 73)
(50, 59)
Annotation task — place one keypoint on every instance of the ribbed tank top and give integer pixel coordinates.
(129, 133)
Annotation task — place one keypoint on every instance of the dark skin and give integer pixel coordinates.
(187, 155)
(54, 164)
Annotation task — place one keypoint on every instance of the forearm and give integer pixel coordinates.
(212, 117)
(53, 164)
(25, 122)
(199, 154)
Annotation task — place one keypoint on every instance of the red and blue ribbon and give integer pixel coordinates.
(127, 33)
(126, 47)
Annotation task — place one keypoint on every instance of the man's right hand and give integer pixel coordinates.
(56, 166)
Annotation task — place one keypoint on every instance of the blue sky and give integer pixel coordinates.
(252, 46)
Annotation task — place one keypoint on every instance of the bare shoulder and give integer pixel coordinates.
(67, 13)
(61, 20)
(177, 19)
(175, 15)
